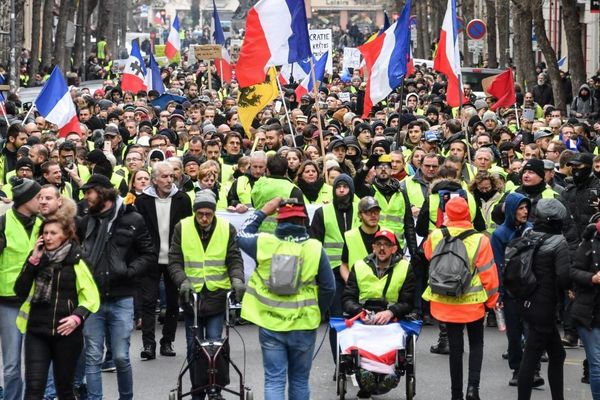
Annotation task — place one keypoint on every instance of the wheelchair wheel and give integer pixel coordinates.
(249, 394)
(341, 385)
(173, 394)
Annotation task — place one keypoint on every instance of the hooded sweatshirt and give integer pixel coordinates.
(509, 229)
(586, 105)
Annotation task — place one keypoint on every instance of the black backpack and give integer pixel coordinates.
(518, 277)
(450, 268)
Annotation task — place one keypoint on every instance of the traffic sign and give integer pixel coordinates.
(412, 21)
(476, 29)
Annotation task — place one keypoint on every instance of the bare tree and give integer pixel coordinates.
(492, 38)
(570, 13)
(61, 53)
(503, 17)
(47, 35)
(467, 8)
(106, 24)
(549, 53)
(523, 52)
(36, 21)
(423, 39)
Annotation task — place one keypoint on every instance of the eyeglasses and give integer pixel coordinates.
(383, 166)
(204, 214)
(384, 245)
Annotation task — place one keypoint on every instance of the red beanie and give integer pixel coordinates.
(457, 209)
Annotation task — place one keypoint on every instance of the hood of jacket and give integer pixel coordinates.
(151, 191)
(511, 204)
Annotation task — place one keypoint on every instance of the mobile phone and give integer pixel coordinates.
(107, 146)
(504, 159)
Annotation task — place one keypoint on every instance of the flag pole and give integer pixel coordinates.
(318, 107)
(517, 117)
(26, 115)
(4, 113)
(287, 114)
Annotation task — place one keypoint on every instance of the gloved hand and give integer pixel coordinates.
(186, 293)
(239, 287)
(373, 161)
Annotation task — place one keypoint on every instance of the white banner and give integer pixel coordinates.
(320, 42)
(351, 57)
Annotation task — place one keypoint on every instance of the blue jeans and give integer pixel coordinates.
(117, 316)
(50, 392)
(287, 353)
(591, 343)
(12, 341)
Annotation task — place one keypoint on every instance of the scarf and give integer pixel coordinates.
(97, 233)
(534, 190)
(231, 159)
(387, 188)
(43, 281)
(311, 190)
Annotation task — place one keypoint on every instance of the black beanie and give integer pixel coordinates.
(535, 165)
(23, 190)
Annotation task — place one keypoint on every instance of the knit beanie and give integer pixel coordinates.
(535, 165)
(24, 162)
(24, 190)
(205, 198)
(457, 209)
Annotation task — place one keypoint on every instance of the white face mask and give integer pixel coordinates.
(540, 81)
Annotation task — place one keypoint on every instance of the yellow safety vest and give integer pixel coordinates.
(475, 293)
(87, 295)
(18, 246)
(284, 313)
(205, 267)
(333, 242)
(414, 192)
(264, 190)
(434, 205)
(243, 190)
(325, 195)
(371, 287)
(356, 247)
(392, 214)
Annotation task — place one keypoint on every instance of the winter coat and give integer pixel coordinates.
(585, 309)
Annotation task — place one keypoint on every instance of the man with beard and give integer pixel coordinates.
(117, 247)
(328, 226)
(395, 213)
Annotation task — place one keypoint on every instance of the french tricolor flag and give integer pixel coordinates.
(153, 78)
(386, 58)
(377, 345)
(307, 84)
(173, 45)
(55, 104)
(223, 65)
(447, 59)
(276, 34)
(134, 73)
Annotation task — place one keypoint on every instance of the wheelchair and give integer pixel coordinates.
(352, 361)
(210, 362)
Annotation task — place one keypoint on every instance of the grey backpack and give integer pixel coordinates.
(449, 268)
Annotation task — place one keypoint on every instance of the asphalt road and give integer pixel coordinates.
(154, 379)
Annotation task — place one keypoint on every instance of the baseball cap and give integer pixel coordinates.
(289, 209)
(542, 133)
(431, 136)
(386, 235)
(582, 158)
(548, 165)
(111, 130)
(97, 180)
(367, 203)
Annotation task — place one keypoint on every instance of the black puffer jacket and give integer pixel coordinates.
(585, 309)
(578, 199)
(550, 266)
(403, 305)
(44, 318)
(128, 251)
